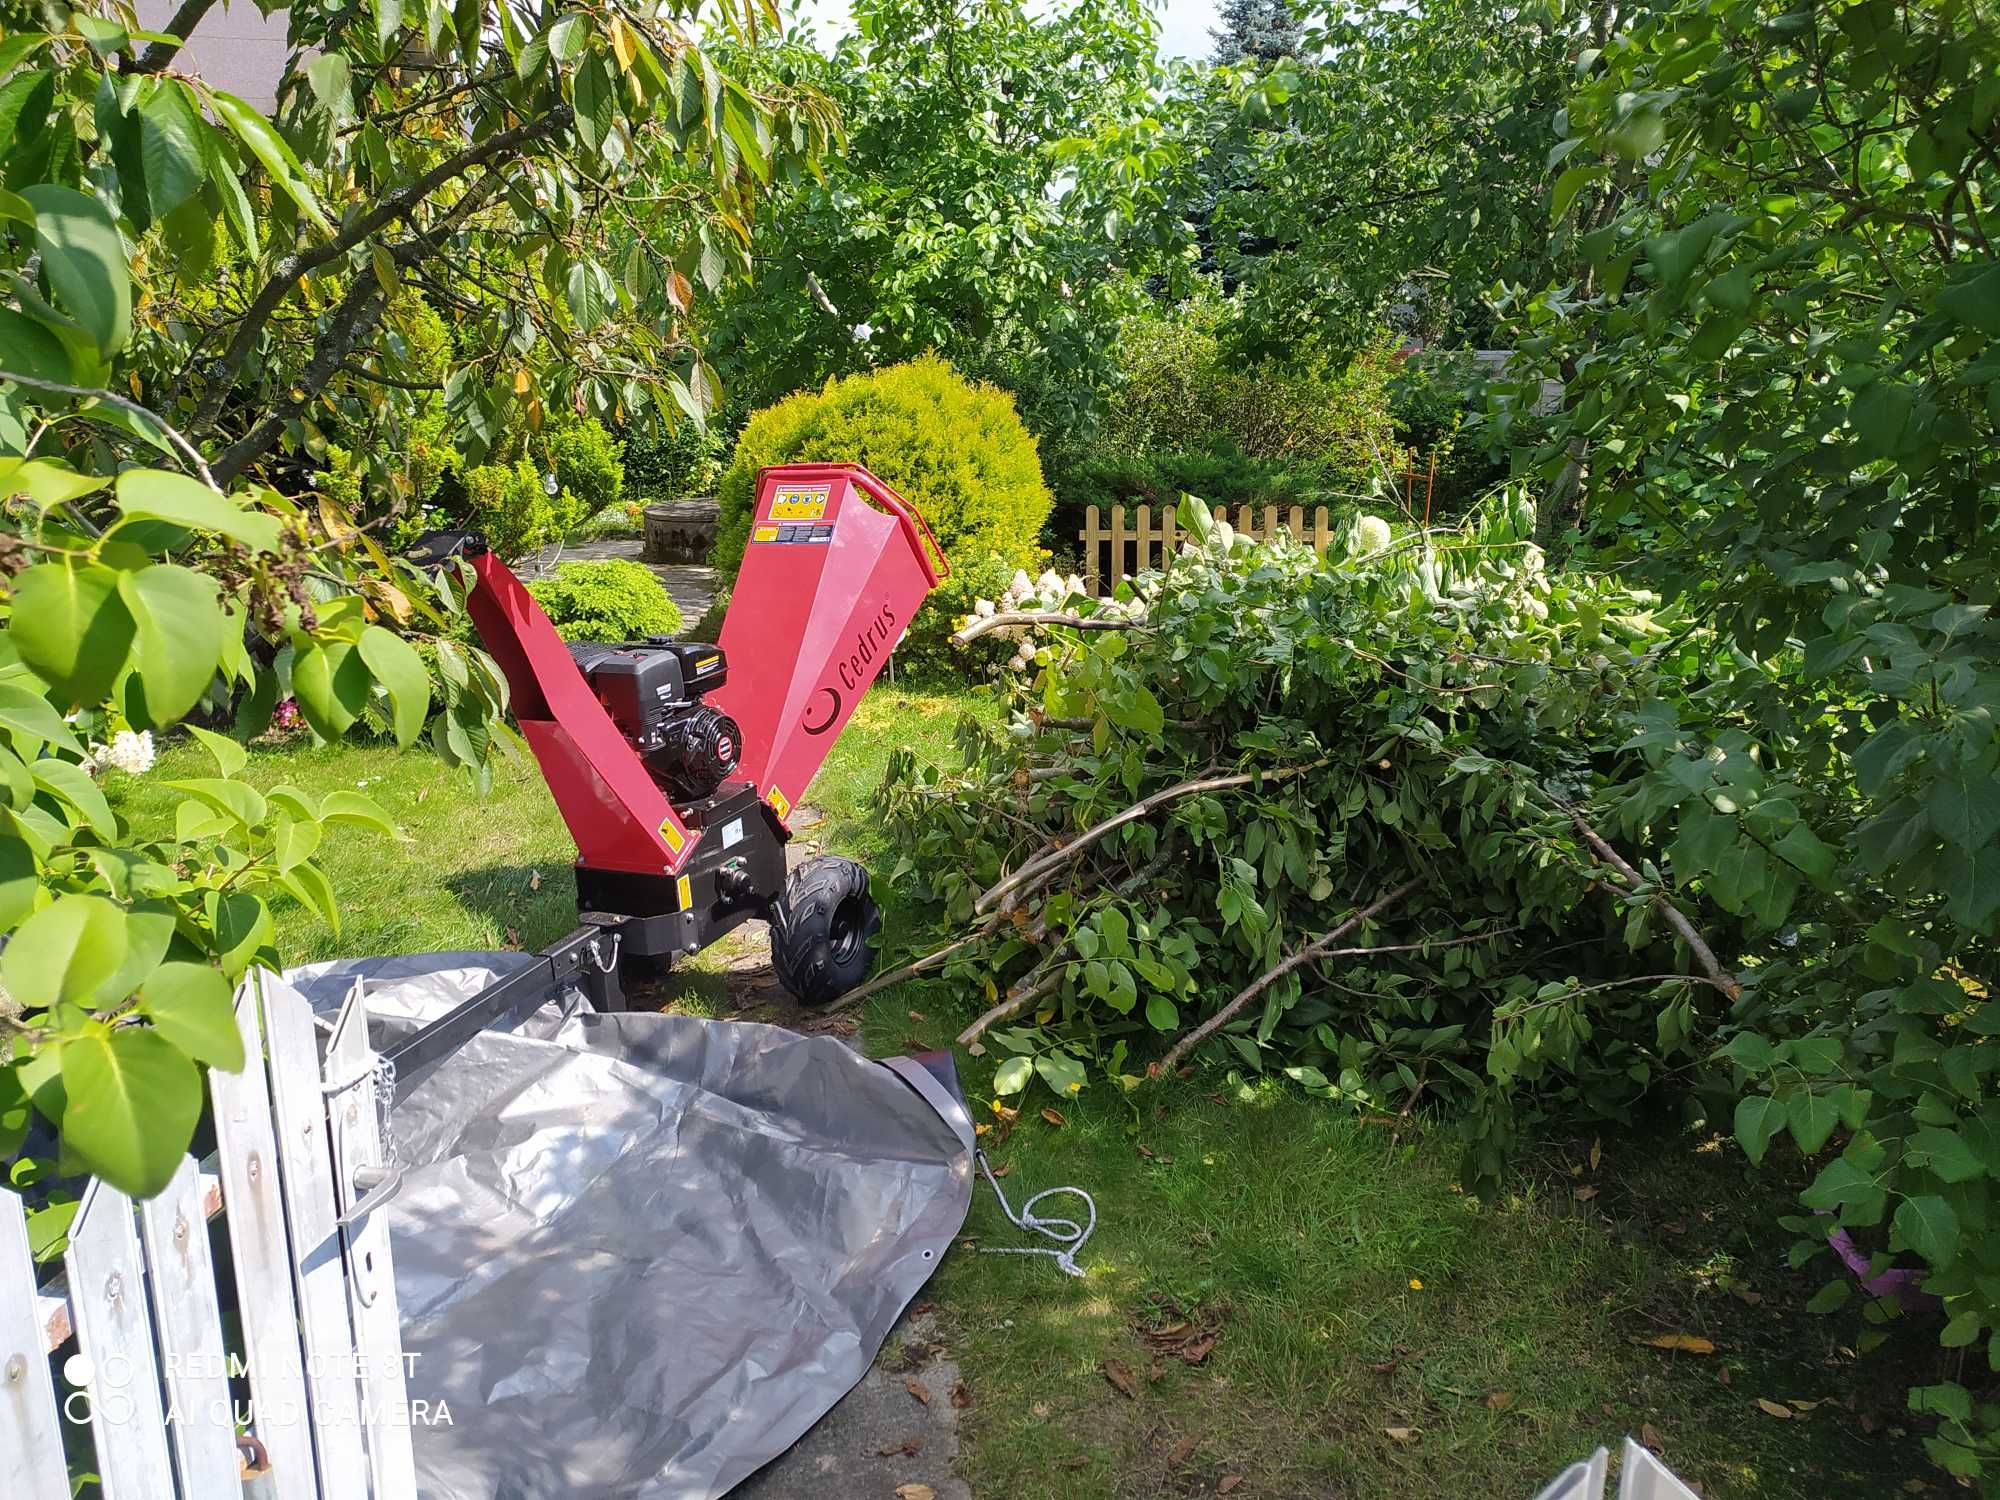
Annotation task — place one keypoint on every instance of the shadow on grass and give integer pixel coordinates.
(529, 906)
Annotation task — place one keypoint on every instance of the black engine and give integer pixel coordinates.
(653, 692)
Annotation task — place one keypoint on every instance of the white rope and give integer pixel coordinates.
(1065, 1232)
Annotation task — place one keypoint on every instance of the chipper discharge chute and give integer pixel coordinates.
(640, 1254)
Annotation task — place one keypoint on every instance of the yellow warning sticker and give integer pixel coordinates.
(685, 891)
(779, 802)
(792, 503)
(764, 534)
(671, 835)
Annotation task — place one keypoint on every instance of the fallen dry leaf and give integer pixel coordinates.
(534, 880)
(1685, 1343)
(1003, 1169)
(919, 1017)
(1498, 1400)
(1039, 1409)
(1724, 1376)
(1182, 1450)
(1197, 1350)
(1120, 1375)
(1386, 1367)
(1403, 1435)
(1675, 1226)
(961, 1395)
(423, 792)
(1229, 1482)
(908, 1448)
(1585, 1193)
(1054, 1117)
(1143, 1151)
(1650, 1436)
(1774, 1409)
(1596, 1154)
(513, 938)
(915, 1492)
(1797, 1405)
(918, 1389)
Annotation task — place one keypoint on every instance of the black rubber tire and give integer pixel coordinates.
(821, 928)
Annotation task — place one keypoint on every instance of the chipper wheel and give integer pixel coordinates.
(820, 929)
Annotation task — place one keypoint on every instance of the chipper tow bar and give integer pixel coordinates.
(676, 765)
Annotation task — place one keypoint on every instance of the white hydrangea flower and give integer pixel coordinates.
(983, 608)
(1022, 584)
(1048, 584)
(1371, 534)
(130, 752)
(863, 332)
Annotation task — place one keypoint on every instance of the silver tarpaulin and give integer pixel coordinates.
(639, 1255)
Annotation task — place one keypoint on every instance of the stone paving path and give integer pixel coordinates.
(693, 587)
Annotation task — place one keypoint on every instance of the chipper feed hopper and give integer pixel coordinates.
(677, 764)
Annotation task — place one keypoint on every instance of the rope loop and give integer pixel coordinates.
(1067, 1233)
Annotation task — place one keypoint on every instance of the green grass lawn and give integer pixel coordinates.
(1374, 1332)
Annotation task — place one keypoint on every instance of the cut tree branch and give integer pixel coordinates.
(1012, 1003)
(1704, 955)
(1322, 947)
(1042, 863)
(979, 625)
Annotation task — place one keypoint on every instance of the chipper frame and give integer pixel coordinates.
(677, 765)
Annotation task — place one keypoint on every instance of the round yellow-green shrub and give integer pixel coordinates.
(953, 448)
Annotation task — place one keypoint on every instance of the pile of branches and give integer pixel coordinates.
(1331, 816)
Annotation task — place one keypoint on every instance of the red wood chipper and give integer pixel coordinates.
(677, 764)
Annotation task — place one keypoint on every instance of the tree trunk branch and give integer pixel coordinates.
(1012, 1003)
(184, 20)
(352, 321)
(1319, 948)
(394, 207)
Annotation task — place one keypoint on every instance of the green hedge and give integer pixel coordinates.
(955, 450)
(613, 600)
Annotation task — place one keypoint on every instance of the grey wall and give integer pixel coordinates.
(235, 47)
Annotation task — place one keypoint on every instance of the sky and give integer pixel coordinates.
(1184, 24)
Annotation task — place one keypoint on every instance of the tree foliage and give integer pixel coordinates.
(1395, 165)
(458, 214)
(1006, 173)
(1781, 333)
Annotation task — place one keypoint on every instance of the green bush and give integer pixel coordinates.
(1185, 391)
(585, 460)
(512, 507)
(709, 627)
(675, 465)
(612, 600)
(955, 450)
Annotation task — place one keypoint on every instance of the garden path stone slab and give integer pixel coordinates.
(843, 1457)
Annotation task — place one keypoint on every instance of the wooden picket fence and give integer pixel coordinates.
(1132, 546)
(134, 1324)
